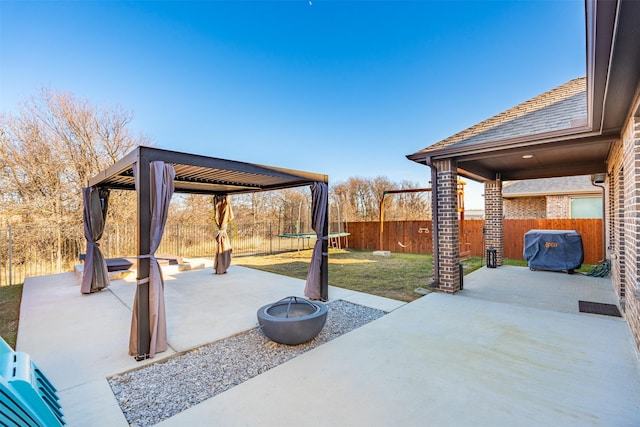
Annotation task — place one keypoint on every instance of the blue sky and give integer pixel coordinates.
(341, 88)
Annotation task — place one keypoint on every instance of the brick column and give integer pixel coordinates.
(493, 218)
(447, 226)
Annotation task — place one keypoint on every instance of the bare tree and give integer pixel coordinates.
(50, 149)
(296, 210)
(256, 207)
(191, 209)
(412, 206)
(360, 198)
(379, 185)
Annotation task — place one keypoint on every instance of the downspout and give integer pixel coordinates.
(434, 222)
(600, 178)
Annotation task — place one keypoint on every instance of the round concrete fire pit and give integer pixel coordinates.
(292, 320)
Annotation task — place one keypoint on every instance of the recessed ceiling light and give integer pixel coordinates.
(528, 156)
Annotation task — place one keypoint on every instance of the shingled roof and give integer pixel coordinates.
(564, 107)
(568, 185)
(551, 135)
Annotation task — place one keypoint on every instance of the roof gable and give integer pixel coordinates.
(550, 186)
(564, 107)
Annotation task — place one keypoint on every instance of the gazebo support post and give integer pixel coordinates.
(143, 247)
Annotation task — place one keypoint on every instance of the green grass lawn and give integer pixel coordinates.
(395, 276)
(10, 297)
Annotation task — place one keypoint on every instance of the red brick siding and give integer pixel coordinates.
(538, 207)
(629, 288)
(493, 215)
(525, 208)
(558, 207)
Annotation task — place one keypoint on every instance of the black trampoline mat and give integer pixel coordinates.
(599, 308)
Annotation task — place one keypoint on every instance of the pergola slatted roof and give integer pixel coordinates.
(198, 174)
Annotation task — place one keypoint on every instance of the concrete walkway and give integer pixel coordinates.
(511, 349)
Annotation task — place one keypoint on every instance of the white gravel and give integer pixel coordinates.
(159, 391)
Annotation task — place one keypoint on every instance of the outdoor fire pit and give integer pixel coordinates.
(292, 320)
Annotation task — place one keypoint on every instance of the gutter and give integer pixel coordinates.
(570, 136)
(595, 180)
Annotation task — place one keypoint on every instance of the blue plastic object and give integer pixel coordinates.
(554, 250)
(27, 397)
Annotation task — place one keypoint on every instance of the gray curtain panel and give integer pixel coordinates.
(95, 275)
(223, 214)
(319, 198)
(162, 187)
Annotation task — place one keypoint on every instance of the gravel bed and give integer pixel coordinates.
(151, 394)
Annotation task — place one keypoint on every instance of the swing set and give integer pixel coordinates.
(465, 247)
(334, 238)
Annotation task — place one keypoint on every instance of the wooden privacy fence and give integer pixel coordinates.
(416, 236)
(589, 229)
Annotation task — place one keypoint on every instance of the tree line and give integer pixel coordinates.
(56, 142)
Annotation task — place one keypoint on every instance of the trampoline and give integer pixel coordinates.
(334, 238)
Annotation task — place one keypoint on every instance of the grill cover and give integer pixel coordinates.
(554, 250)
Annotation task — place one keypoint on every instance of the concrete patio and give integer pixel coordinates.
(510, 349)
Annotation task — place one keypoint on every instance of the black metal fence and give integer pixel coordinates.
(38, 251)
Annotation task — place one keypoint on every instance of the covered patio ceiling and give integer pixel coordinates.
(558, 156)
(196, 174)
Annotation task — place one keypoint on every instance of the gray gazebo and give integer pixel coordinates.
(155, 174)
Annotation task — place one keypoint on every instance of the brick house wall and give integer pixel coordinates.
(623, 233)
(525, 208)
(547, 198)
(558, 207)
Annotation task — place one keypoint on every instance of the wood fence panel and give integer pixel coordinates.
(589, 229)
(408, 237)
(514, 230)
(398, 236)
(363, 235)
(416, 236)
(472, 236)
(422, 230)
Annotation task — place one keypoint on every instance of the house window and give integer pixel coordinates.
(586, 207)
